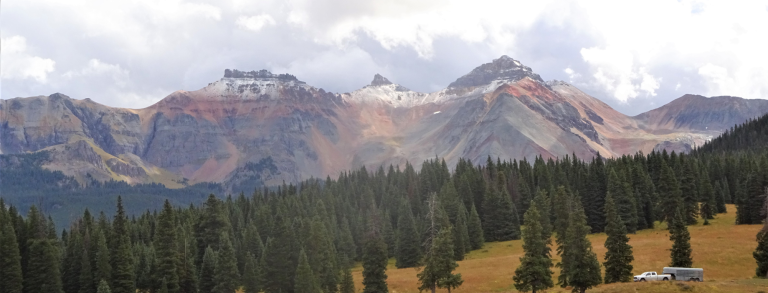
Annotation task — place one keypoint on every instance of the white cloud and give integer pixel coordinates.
(255, 23)
(96, 68)
(17, 63)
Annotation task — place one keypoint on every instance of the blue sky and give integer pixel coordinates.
(635, 56)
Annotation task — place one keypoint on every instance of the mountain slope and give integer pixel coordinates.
(272, 127)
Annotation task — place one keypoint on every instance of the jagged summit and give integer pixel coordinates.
(261, 74)
(504, 68)
(380, 80)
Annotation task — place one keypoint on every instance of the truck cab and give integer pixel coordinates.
(651, 276)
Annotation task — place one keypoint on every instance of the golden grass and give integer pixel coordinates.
(723, 249)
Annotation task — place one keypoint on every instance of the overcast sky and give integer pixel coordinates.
(131, 53)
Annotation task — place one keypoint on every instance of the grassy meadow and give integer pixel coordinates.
(723, 249)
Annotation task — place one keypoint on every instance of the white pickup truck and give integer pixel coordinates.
(652, 276)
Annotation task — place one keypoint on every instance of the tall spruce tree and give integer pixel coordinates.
(121, 256)
(165, 248)
(375, 264)
(501, 221)
(103, 287)
(439, 264)
(408, 244)
(11, 280)
(42, 273)
(681, 246)
(618, 258)
(321, 256)
(475, 229)
(584, 268)
(86, 273)
(761, 253)
(689, 190)
(720, 198)
(208, 270)
(534, 272)
(251, 280)
(103, 267)
(347, 284)
(562, 206)
(227, 277)
(305, 279)
(669, 192)
(280, 264)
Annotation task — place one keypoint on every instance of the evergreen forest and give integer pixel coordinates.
(306, 237)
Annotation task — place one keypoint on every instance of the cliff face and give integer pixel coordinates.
(262, 127)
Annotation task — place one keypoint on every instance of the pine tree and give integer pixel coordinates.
(709, 204)
(689, 191)
(121, 256)
(322, 259)
(42, 273)
(305, 279)
(543, 205)
(624, 200)
(719, 198)
(439, 264)
(534, 272)
(165, 248)
(501, 221)
(669, 192)
(86, 273)
(562, 207)
(347, 283)
(103, 287)
(103, 268)
(408, 243)
(208, 270)
(618, 258)
(375, 264)
(163, 286)
(279, 262)
(475, 230)
(226, 274)
(209, 226)
(584, 268)
(250, 275)
(761, 254)
(11, 280)
(681, 246)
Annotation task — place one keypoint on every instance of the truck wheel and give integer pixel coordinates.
(666, 279)
(642, 280)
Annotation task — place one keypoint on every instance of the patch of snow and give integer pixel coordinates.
(438, 112)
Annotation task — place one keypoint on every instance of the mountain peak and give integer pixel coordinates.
(380, 80)
(504, 68)
(261, 74)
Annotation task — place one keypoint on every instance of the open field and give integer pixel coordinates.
(723, 249)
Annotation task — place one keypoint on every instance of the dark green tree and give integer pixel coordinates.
(439, 264)
(121, 253)
(375, 264)
(209, 226)
(408, 240)
(165, 248)
(321, 256)
(347, 283)
(86, 273)
(226, 275)
(689, 190)
(208, 271)
(305, 279)
(501, 221)
(584, 268)
(681, 246)
(534, 272)
(618, 258)
(669, 192)
(250, 281)
(42, 272)
(279, 262)
(103, 287)
(475, 229)
(719, 198)
(103, 267)
(761, 253)
(11, 280)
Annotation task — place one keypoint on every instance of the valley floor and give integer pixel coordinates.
(723, 249)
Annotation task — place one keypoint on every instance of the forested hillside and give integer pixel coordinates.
(304, 238)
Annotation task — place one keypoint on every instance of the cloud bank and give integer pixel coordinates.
(633, 55)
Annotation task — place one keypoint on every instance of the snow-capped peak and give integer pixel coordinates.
(503, 69)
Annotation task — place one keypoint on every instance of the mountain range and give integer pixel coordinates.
(262, 127)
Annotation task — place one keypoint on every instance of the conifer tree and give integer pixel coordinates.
(209, 226)
(584, 268)
(408, 244)
(11, 280)
(86, 273)
(681, 246)
(103, 287)
(208, 270)
(543, 205)
(475, 229)
(562, 207)
(321, 256)
(227, 276)
(103, 268)
(461, 235)
(669, 192)
(709, 204)
(761, 252)
(501, 222)
(689, 192)
(719, 198)
(280, 264)
(534, 272)
(347, 283)
(375, 264)
(121, 256)
(165, 248)
(305, 279)
(439, 264)
(618, 258)
(250, 275)
(163, 286)
(42, 272)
